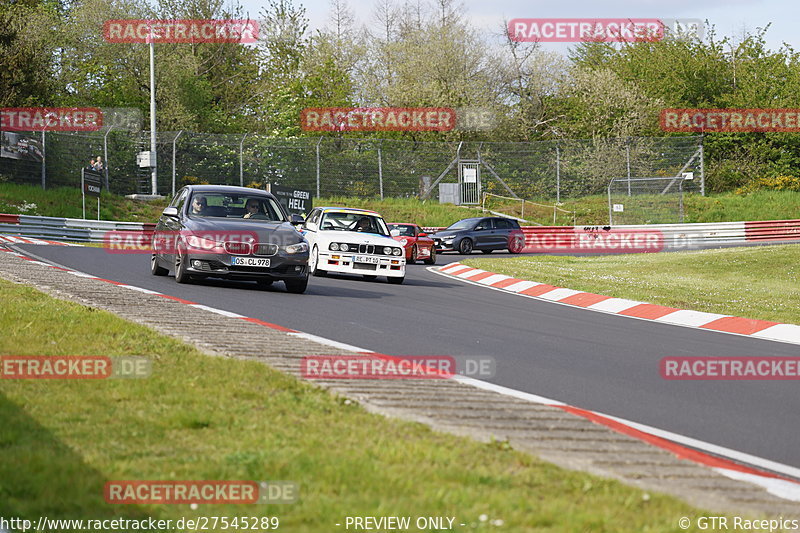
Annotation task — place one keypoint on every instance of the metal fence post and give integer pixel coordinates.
(318, 143)
(105, 153)
(628, 158)
(44, 157)
(174, 143)
(558, 174)
(702, 167)
(241, 161)
(380, 168)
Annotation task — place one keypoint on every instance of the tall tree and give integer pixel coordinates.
(28, 41)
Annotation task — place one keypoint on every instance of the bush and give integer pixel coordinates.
(773, 183)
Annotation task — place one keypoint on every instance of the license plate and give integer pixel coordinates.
(366, 259)
(250, 261)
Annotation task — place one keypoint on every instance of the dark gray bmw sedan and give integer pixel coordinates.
(217, 231)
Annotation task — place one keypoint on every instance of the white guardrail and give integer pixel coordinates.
(678, 236)
(66, 229)
(675, 236)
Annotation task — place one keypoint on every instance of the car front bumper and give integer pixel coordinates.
(389, 266)
(449, 246)
(281, 266)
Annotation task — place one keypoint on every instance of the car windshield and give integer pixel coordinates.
(404, 229)
(243, 206)
(467, 223)
(346, 221)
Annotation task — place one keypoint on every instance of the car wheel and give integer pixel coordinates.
(516, 243)
(487, 251)
(432, 259)
(313, 266)
(414, 254)
(370, 277)
(181, 276)
(155, 268)
(465, 246)
(296, 286)
(396, 281)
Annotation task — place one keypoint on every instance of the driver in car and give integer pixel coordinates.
(199, 204)
(363, 224)
(251, 208)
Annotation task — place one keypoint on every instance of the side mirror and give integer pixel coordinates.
(422, 234)
(395, 233)
(296, 219)
(170, 212)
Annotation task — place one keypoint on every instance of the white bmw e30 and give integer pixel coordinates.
(352, 241)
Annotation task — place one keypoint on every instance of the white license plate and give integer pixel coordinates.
(250, 262)
(366, 259)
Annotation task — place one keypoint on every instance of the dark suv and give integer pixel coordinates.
(483, 233)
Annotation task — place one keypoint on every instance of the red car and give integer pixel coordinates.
(416, 243)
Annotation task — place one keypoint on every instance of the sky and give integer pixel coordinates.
(730, 17)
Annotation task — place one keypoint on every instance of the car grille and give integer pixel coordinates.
(366, 249)
(237, 248)
(266, 249)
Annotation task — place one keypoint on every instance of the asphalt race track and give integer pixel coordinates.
(588, 359)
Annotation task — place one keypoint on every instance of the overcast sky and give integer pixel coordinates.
(729, 16)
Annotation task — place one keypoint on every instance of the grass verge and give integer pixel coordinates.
(200, 417)
(66, 202)
(752, 282)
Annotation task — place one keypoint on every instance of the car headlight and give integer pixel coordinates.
(388, 250)
(333, 246)
(298, 248)
(448, 238)
(343, 247)
(403, 241)
(202, 245)
(398, 251)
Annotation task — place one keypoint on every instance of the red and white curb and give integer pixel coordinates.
(775, 477)
(16, 239)
(761, 329)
